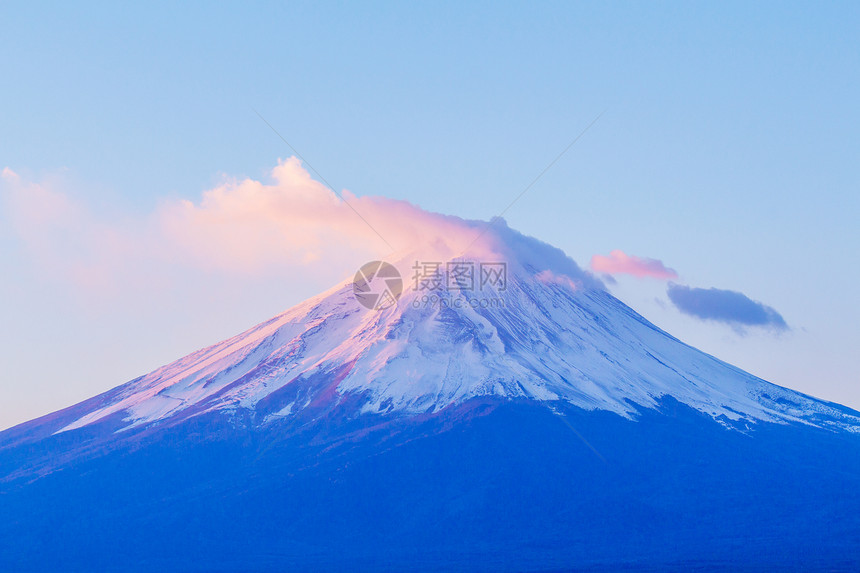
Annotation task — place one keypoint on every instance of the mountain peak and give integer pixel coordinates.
(518, 320)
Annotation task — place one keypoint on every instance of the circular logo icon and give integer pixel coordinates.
(377, 285)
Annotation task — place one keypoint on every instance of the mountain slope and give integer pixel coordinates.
(536, 424)
(504, 486)
(548, 336)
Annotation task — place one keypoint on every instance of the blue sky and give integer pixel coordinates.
(728, 150)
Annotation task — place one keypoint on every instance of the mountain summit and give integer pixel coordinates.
(543, 331)
(505, 411)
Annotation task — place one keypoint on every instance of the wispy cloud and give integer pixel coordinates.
(726, 306)
(287, 227)
(618, 262)
(291, 223)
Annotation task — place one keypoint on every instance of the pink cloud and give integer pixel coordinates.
(286, 231)
(248, 226)
(289, 225)
(618, 262)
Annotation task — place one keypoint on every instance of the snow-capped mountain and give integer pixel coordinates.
(550, 334)
(516, 418)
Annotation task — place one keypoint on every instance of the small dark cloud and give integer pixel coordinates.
(727, 306)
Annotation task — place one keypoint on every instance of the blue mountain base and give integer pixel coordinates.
(489, 485)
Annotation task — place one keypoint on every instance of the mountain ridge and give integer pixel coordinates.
(559, 430)
(556, 334)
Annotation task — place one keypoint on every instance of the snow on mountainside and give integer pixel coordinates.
(552, 334)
